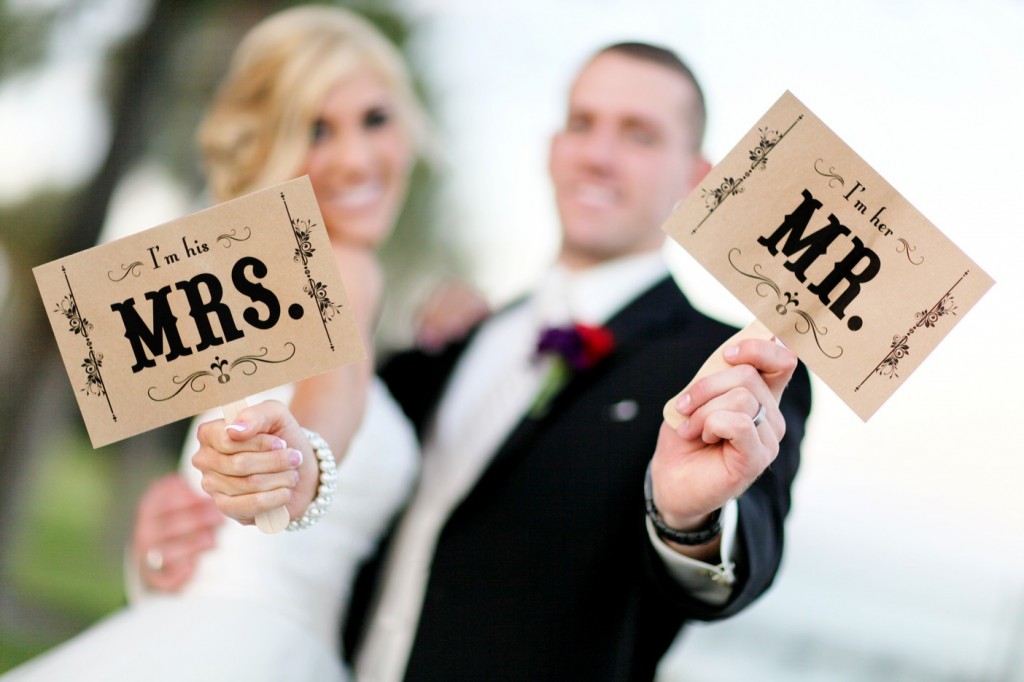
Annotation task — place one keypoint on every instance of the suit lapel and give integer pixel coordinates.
(661, 306)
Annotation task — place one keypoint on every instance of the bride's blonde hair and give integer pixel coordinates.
(258, 131)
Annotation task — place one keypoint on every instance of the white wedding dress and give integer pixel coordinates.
(261, 608)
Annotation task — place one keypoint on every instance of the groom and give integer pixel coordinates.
(526, 552)
(561, 530)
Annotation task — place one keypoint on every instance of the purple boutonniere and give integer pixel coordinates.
(575, 349)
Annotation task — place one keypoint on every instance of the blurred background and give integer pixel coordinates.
(905, 556)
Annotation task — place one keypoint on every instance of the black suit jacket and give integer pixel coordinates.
(545, 570)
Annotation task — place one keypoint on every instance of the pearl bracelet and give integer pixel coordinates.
(328, 483)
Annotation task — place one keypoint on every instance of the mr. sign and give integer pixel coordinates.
(858, 266)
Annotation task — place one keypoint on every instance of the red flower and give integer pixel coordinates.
(581, 346)
(598, 343)
(576, 349)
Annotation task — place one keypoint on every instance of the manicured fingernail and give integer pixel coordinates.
(684, 402)
(236, 426)
(295, 457)
(732, 351)
(277, 444)
(681, 429)
(295, 476)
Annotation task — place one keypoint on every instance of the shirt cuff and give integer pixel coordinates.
(708, 583)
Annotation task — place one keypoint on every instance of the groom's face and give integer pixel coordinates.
(627, 155)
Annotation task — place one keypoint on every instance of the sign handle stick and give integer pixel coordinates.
(275, 520)
(716, 362)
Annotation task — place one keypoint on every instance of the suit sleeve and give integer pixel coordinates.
(762, 512)
(416, 380)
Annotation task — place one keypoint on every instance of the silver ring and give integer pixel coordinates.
(759, 417)
(155, 560)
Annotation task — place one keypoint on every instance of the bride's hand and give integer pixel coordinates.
(174, 525)
(261, 461)
(448, 315)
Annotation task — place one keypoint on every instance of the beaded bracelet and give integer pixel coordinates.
(328, 483)
(712, 526)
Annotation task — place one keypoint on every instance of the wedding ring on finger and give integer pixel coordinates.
(759, 417)
(154, 560)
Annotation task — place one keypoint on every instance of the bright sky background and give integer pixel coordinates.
(53, 127)
(909, 528)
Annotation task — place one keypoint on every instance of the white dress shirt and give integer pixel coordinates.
(494, 384)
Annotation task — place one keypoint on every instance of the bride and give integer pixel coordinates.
(317, 91)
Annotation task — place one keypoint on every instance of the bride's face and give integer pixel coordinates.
(359, 161)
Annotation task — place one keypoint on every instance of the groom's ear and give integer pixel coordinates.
(700, 170)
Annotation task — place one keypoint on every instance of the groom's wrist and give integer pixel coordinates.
(688, 531)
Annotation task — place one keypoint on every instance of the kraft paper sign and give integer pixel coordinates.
(199, 312)
(828, 255)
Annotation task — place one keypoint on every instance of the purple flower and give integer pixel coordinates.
(575, 349)
(580, 345)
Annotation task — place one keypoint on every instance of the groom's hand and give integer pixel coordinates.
(718, 451)
(259, 462)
